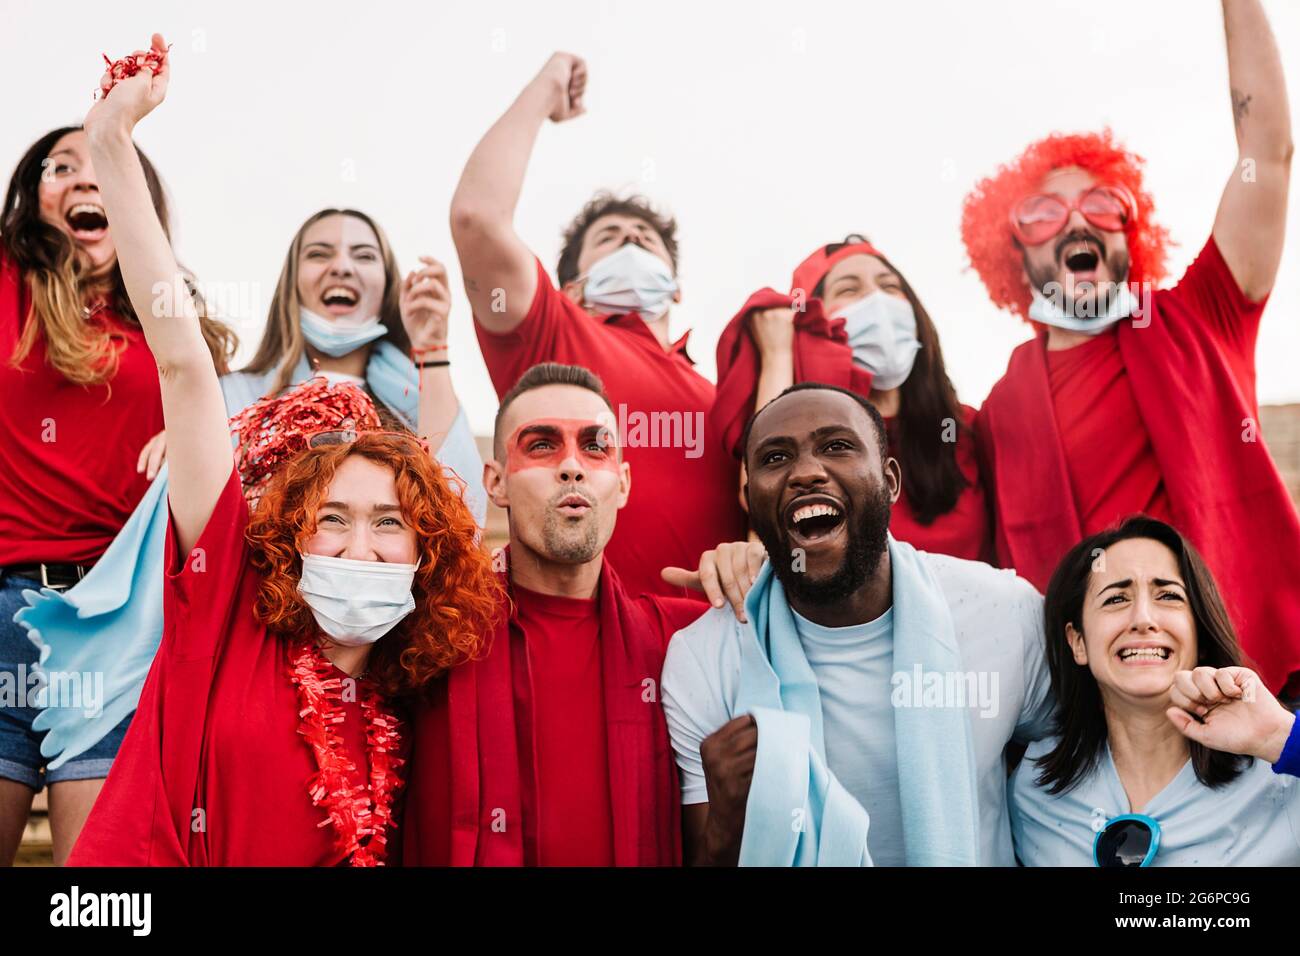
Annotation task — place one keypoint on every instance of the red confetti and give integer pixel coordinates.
(129, 66)
(361, 815)
(274, 430)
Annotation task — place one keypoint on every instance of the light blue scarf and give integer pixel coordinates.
(111, 621)
(797, 813)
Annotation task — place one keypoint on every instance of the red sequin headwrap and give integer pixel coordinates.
(273, 430)
(986, 212)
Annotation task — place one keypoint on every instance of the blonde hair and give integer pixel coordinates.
(82, 350)
(282, 343)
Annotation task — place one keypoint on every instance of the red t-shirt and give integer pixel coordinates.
(217, 730)
(964, 531)
(1113, 468)
(564, 680)
(562, 636)
(68, 452)
(684, 500)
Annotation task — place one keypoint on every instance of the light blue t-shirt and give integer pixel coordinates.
(1252, 821)
(854, 666)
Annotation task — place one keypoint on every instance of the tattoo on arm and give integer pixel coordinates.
(1240, 107)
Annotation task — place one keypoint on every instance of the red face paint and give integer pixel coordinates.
(550, 442)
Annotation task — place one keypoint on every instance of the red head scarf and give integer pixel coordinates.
(815, 268)
(986, 212)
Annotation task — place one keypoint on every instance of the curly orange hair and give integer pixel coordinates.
(457, 595)
(986, 212)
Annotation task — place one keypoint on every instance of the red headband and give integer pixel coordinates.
(813, 269)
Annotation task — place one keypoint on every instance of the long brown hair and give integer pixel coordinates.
(283, 343)
(84, 352)
(457, 595)
(927, 401)
(1080, 718)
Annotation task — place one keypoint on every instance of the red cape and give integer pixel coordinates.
(474, 742)
(821, 354)
(1226, 494)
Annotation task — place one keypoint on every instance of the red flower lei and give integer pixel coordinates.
(361, 815)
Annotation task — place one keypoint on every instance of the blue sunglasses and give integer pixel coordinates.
(1130, 839)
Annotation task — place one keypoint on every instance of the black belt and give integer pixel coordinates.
(57, 576)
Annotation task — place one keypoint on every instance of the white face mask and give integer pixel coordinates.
(630, 280)
(340, 335)
(1121, 305)
(356, 602)
(882, 334)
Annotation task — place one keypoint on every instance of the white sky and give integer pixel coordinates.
(766, 127)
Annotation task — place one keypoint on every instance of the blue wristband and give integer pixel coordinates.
(1289, 762)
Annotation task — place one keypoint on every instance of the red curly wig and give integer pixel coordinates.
(457, 595)
(986, 212)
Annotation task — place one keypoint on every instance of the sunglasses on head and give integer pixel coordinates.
(1036, 219)
(1131, 839)
(346, 436)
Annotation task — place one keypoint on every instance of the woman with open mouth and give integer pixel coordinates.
(271, 728)
(79, 389)
(342, 310)
(851, 319)
(1168, 751)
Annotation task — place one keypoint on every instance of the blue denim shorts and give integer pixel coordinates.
(20, 746)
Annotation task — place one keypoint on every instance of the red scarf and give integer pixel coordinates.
(1226, 494)
(493, 771)
(821, 354)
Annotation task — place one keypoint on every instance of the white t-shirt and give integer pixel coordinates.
(998, 623)
(1252, 821)
(853, 666)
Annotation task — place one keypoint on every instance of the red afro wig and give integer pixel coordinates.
(986, 212)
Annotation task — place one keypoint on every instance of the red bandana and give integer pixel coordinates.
(813, 269)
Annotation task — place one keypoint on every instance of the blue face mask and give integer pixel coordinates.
(1122, 304)
(882, 334)
(356, 602)
(630, 280)
(336, 338)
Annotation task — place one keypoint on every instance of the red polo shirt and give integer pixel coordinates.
(684, 499)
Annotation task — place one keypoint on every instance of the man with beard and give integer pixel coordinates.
(1132, 401)
(860, 710)
(552, 750)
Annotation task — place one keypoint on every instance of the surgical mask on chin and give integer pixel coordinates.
(1121, 306)
(356, 602)
(337, 337)
(630, 280)
(882, 335)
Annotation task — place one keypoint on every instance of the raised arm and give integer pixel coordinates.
(500, 274)
(425, 304)
(773, 331)
(200, 459)
(1251, 221)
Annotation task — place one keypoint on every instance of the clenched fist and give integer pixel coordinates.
(565, 76)
(773, 330)
(728, 756)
